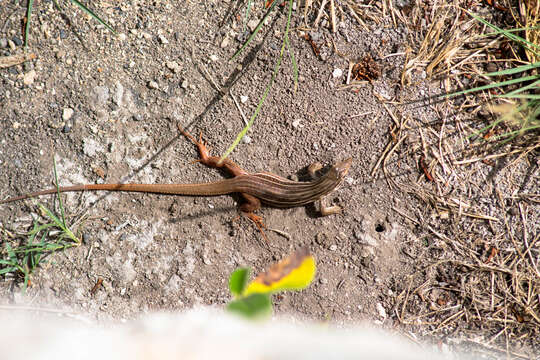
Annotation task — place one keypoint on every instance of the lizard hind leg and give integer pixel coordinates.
(252, 203)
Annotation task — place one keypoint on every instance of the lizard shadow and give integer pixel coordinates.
(235, 76)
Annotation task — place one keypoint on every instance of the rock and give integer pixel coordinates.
(381, 310)
(214, 57)
(122, 37)
(173, 66)
(67, 113)
(91, 147)
(225, 42)
(243, 99)
(163, 39)
(153, 85)
(100, 95)
(118, 94)
(16, 41)
(29, 77)
(252, 24)
(337, 73)
(3, 43)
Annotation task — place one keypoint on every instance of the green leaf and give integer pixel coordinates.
(238, 281)
(253, 306)
(293, 273)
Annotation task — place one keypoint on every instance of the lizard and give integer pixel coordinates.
(255, 188)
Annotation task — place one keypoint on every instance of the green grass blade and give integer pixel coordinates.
(27, 25)
(515, 70)
(92, 14)
(509, 35)
(8, 270)
(246, 16)
(11, 254)
(515, 30)
(295, 66)
(265, 94)
(493, 85)
(522, 89)
(59, 223)
(254, 33)
(520, 96)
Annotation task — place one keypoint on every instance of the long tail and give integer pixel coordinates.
(209, 189)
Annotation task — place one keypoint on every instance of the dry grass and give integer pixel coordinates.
(479, 282)
(481, 224)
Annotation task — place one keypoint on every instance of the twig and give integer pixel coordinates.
(238, 106)
(7, 61)
(333, 15)
(320, 14)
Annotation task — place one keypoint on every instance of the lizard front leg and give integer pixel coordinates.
(251, 203)
(213, 161)
(324, 208)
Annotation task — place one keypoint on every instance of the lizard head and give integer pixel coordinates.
(339, 170)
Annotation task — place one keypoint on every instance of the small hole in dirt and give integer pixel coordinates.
(379, 228)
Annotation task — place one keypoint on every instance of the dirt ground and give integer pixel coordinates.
(107, 110)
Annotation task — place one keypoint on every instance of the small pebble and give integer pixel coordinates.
(66, 128)
(16, 41)
(252, 24)
(3, 43)
(163, 39)
(60, 54)
(381, 310)
(63, 34)
(243, 99)
(333, 247)
(243, 36)
(225, 42)
(12, 45)
(173, 66)
(214, 57)
(122, 36)
(29, 77)
(184, 84)
(246, 139)
(296, 123)
(337, 73)
(67, 113)
(153, 85)
(491, 67)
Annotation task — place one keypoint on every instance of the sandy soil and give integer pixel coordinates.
(107, 109)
